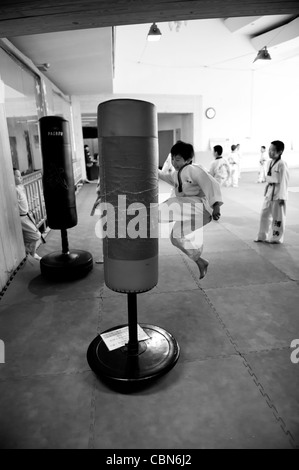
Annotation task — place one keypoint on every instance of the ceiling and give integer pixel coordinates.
(84, 40)
(80, 62)
(19, 17)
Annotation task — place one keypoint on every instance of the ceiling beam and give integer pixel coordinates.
(278, 36)
(19, 17)
(235, 25)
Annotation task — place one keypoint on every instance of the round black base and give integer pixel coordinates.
(155, 357)
(63, 267)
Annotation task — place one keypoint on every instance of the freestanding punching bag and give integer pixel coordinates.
(128, 148)
(60, 200)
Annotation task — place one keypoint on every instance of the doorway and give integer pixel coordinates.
(165, 139)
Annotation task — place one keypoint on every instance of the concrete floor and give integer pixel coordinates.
(234, 385)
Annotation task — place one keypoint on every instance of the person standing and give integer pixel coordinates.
(233, 160)
(263, 160)
(220, 168)
(273, 215)
(31, 234)
(88, 162)
(238, 152)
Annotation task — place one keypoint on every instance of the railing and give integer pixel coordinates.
(34, 191)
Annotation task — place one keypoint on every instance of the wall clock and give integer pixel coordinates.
(210, 113)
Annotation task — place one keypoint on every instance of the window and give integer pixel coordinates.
(23, 107)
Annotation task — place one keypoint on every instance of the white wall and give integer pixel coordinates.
(12, 250)
(182, 110)
(255, 103)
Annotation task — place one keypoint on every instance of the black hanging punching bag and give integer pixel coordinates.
(58, 177)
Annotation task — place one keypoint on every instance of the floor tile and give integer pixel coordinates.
(174, 275)
(199, 405)
(239, 268)
(49, 412)
(259, 317)
(185, 314)
(279, 378)
(46, 337)
(30, 285)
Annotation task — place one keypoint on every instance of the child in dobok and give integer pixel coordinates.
(234, 161)
(263, 165)
(273, 215)
(220, 168)
(194, 202)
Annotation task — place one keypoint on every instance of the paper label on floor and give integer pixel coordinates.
(118, 338)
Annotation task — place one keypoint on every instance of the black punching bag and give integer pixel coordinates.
(60, 200)
(58, 177)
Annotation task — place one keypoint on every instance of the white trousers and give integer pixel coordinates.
(189, 216)
(262, 174)
(272, 221)
(235, 176)
(31, 235)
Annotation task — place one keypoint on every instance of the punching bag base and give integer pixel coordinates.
(155, 357)
(60, 266)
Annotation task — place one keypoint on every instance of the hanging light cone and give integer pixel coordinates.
(154, 33)
(263, 54)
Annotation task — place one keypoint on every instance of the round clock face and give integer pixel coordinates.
(210, 113)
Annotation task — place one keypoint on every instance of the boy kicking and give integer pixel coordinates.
(195, 201)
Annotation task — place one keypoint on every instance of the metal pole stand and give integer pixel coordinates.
(138, 360)
(66, 265)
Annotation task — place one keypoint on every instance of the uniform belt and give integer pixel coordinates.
(266, 189)
(23, 215)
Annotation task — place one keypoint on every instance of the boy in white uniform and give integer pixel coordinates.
(273, 216)
(263, 160)
(220, 168)
(195, 200)
(234, 162)
(31, 234)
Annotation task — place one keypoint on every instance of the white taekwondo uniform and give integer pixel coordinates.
(273, 215)
(220, 170)
(190, 206)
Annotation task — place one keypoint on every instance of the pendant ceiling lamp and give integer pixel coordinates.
(263, 54)
(154, 33)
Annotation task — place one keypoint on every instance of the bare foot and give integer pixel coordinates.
(202, 264)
